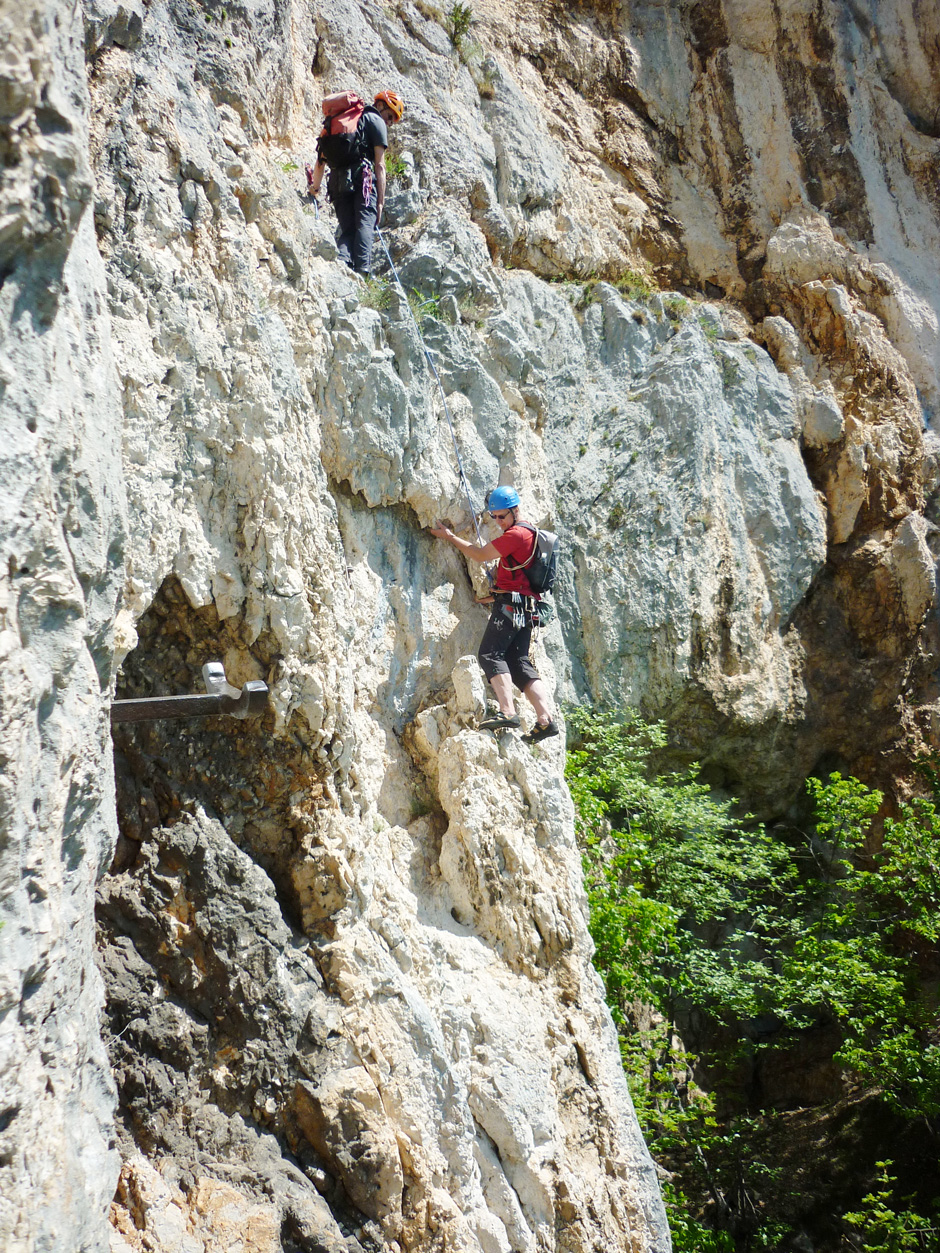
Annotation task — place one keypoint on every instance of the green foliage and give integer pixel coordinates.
(423, 306)
(290, 167)
(693, 906)
(457, 22)
(635, 285)
(712, 1161)
(690, 1235)
(677, 308)
(882, 1228)
(583, 294)
(852, 953)
(394, 165)
(669, 872)
(377, 294)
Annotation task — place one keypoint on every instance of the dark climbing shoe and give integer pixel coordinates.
(499, 722)
(541, 733)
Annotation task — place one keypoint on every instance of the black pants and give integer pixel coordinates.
(504, 648)
(355, 216)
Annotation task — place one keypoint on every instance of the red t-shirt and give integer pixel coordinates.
(516, 544)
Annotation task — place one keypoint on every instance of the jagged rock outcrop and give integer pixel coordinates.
(349, 993)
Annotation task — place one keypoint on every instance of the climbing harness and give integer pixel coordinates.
(517, 613)
(525, 610)
(440, 388)
(221, 698)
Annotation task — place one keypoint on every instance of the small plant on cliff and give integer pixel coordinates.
(377, 294)
(677, 308)
(635, 286)
(395, 167)
(711, 329)
(458, 23)
(423, 306)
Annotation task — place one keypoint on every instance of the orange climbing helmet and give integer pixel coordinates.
(394, 102)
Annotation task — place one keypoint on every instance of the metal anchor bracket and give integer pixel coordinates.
(221, 698)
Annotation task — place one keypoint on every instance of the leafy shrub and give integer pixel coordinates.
(693, 906)
(458, 22)
(636, 286)
(394, 165)
(663, 861)
(423, 306)
(880, 1227)
(377, 294)
(677, 308)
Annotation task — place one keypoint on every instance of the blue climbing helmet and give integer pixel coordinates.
(503, 498)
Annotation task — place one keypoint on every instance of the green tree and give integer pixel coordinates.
(675, 882)
(880, 1227)
(695, 907)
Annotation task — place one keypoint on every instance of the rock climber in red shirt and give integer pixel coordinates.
(504, 649)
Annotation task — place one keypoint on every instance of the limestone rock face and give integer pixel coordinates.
(61, 529)
(349, 999)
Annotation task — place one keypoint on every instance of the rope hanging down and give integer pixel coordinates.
(440, 387)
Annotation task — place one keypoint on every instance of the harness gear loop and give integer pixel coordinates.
(366, 168)
(440, 388)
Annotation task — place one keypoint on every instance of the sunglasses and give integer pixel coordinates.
(501, 517)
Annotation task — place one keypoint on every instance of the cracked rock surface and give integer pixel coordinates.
(675, 267)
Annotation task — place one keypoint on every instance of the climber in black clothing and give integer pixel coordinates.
(356, 157)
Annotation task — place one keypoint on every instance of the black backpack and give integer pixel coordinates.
(542, 566)
(340, 147)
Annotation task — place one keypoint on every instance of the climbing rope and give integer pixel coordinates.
(440, 387)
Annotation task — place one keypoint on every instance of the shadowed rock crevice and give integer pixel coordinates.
(213, 1012)
(266, 787)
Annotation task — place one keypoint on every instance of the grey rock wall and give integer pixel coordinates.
(62, 528)
(349, 997)
(446, 1070)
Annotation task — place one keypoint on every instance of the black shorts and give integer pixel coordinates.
(504, 648)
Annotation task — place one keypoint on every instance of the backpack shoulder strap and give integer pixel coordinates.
(365, 149)
(535, 547)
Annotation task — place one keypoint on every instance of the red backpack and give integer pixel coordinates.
(340, 142)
